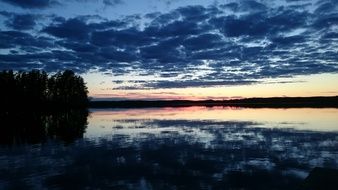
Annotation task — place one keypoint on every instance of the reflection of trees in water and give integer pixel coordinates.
(176, 155)
(19, 127)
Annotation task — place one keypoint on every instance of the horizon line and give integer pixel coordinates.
(93, 99)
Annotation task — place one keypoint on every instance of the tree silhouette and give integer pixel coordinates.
(8, 86)
(36, 89)
(32, 87)
(67, 89)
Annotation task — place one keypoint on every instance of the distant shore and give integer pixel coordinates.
(273, 102)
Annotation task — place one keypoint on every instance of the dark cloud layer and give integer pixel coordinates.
(29, 4)
(72, 29)
(112, 2)
(19, 21)
(43, 4)
(193, 46)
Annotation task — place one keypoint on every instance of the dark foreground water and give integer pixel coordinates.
(170, 148)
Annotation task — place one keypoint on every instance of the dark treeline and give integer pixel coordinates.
(36, 89)
(278, 102)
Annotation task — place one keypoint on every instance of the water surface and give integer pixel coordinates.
(177, 148)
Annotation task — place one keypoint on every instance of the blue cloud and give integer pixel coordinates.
(72, 29)
(42, 4)
(125, 37)
(112, 2)
(203, 41)
(29, 4)
(19, 21)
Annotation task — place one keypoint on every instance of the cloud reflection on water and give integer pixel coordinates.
(154, 149)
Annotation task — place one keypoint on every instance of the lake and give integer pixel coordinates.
(169, 148)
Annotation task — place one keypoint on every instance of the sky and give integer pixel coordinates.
(178, 49)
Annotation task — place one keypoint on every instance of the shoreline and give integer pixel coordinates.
(275, 102)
